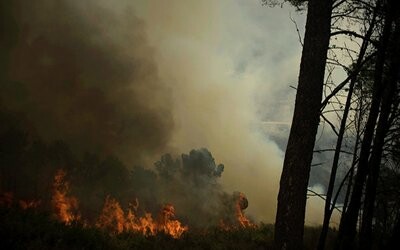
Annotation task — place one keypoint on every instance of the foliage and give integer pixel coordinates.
(299, 4)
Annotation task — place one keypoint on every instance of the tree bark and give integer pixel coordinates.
(289, 225)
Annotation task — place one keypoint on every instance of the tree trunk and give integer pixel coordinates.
(289, 225)
(347, 230)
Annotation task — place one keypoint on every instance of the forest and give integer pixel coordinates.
(85, 129)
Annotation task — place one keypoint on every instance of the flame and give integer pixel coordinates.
(112, 217)
(242, 204)
(115, 220)
(145, 225)
(65, 206)
(7, 200)
(168, 224)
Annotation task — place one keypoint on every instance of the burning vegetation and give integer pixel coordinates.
(114, 219)
(65, 206)
(141, 200)
(241, 205)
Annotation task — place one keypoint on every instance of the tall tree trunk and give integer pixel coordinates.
(329, 206)
(379, 141)
(347, 229)
(289, 225)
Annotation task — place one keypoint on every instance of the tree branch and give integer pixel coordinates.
(342, 84)
(353, 33)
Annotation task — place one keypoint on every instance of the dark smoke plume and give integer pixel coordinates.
(77, 72)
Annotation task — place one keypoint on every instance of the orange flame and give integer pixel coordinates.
(65, 206)
(114, 219)
(144, 225)
(168, 224)
(241, 204)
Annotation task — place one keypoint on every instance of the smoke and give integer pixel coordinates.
(192, 183)
(85, 74)
(144, 78)
(215, 103)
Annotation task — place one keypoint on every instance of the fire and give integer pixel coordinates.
(239, 220)
(115, 220)
(168, 224)
(145, 225)
(65, 206)
(7, 200)
(112, 217)
(242, 204)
